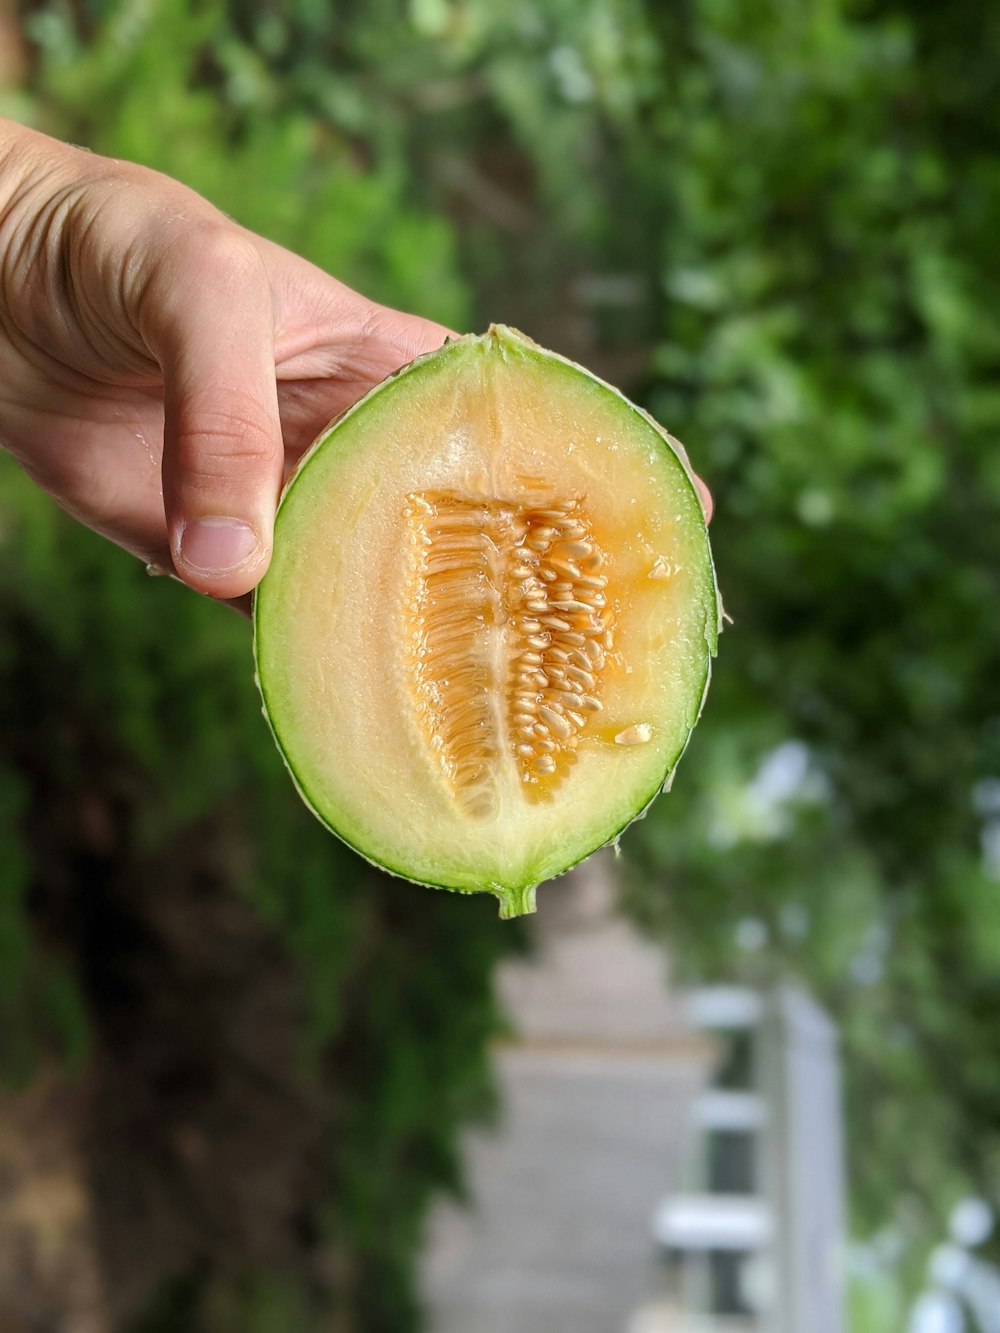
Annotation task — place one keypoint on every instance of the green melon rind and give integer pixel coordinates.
(515, 899)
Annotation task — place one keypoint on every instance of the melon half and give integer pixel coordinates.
(487, 629)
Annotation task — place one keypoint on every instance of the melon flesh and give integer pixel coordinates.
(486, 632)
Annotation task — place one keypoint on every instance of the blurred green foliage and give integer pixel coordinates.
(776, 224)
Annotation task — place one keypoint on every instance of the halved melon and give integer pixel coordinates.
(486, 632)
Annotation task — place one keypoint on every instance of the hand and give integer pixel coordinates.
(161, 368)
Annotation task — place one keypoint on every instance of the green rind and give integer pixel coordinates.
(516, 899)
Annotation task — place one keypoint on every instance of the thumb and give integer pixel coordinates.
(211, 328)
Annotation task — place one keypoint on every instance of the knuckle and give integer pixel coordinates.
(216, 442)
(380, 327)
(217, 250)
(203, 259)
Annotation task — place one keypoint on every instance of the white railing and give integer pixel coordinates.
(766, 1258)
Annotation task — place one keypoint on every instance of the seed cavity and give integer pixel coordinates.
(507, 634)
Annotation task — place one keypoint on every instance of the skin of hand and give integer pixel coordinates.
(162, 368)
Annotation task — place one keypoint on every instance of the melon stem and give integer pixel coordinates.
(515, 902)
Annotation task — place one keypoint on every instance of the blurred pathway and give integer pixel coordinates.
(596, 1084)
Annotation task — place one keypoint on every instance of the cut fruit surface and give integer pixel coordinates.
(487, 628)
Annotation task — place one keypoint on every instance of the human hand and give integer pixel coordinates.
(161, 368)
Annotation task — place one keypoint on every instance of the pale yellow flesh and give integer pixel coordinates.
(336, 662)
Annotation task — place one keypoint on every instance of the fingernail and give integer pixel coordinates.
(214, 545)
